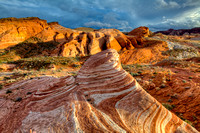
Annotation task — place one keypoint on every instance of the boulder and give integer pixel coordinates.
(112, 43)
(140, 32)
(119, 36)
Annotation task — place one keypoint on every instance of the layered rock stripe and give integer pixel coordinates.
(101, 98)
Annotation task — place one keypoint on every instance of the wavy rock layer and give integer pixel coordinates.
(102, 98)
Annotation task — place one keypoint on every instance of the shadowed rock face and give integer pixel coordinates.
(102, 98)
(180, 31)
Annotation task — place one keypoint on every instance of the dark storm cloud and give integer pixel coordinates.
(123, 15)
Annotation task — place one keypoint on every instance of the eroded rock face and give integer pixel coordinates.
(150, 54)
(14, 31)
(102, 98)
(140, 32)
(119, 36)
(90, 43)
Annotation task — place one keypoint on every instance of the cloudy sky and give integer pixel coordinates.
(120, 14)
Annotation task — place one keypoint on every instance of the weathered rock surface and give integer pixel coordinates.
(71, 43)
(90, 43)
(140, 32)
(178, 51)
(54, 32)
(102, 98)
(137, 35)
(150, 54)
(120, 37)
(137, 42)
(14, 31)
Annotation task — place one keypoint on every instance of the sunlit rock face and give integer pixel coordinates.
(151, 53)
(101, 98)
(71, 43)
(14, 31)
(140, 32)
(90, 43)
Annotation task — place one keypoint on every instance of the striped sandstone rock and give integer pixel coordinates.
(101, 98)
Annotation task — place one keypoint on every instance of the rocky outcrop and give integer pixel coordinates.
(181, 31)
(70, 43)
(178, 51)
(55, 32)
(137, 42)
(66, 42)
(90, 43)
(140, 32)
(101, 98)
(137, 35)
(150, 54)
(120, 37)
(14, 31)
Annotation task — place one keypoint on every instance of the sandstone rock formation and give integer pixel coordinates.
(54, 32)
(140, 32)
(137, 35)
(90, 43)
(14, 31)
(101, 98)
(70, 42)
(120, 37)
(151, 54)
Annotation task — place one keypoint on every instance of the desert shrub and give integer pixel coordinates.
(8, 91)
(168, 106)
(43, 62)
(29, 48)
(189, 122)
(33, 39)
(18, 99)
(1, 86)
(135, 74)
(7, 56)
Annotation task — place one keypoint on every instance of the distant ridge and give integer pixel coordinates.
(85, 29)
(195, 30)
(19, 19)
